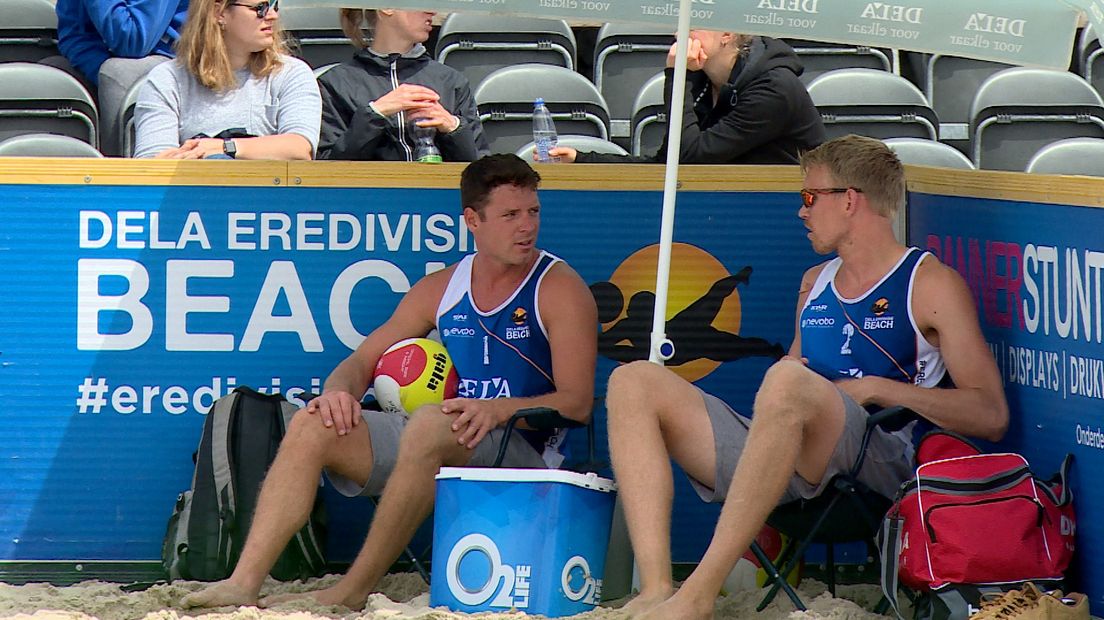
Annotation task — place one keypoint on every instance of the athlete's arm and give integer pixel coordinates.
(571, 318)
(807, 282)
(415, 316)
(945, 313)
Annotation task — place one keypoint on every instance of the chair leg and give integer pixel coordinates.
(776, 579)
(830, 564)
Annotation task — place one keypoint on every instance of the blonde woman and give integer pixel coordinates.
(232, 92)
(369, 104)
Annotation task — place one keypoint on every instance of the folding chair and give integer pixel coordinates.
(505, 102)
(649, 117)
(28, 30)
(317, 33)
(873, 103)
(846, 511)
(625, 57)
(924, 152)
(581, 143)
(477, 46)
(1018, 111)
(42, 99)
(818, 57)
(46, 145)
(1083, 156)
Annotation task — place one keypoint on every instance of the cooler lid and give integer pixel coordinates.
(505, 474)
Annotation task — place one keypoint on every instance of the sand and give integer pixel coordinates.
(402, 597)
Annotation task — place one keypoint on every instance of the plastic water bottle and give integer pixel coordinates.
(425, 149)
(544, 132)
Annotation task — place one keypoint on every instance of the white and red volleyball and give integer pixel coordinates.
(749, 575)
(412, 373)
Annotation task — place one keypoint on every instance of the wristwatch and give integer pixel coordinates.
(230, 148)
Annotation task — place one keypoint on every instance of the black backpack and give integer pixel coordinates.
(207, 530)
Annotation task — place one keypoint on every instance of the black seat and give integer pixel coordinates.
(847, 511)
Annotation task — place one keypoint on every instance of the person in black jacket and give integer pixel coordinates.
(369, 104)
(744, 104)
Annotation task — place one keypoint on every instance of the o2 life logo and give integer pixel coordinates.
(578, 569)
(510, 582)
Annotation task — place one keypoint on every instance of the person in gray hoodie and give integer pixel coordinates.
(744, 104)
(371, 103)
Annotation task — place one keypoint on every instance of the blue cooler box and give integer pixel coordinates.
(533, 540)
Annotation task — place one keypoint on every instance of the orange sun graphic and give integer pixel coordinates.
(693, 272)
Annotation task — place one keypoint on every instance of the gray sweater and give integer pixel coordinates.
(173, 106)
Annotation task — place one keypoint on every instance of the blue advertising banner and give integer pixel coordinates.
(1035, 272)
(130, 309)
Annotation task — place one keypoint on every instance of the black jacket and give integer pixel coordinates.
(763, 115)
(351, 129)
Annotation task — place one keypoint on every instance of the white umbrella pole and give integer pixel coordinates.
(661, 348)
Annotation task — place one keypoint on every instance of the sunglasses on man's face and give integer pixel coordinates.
(809, 196)
(262, 8)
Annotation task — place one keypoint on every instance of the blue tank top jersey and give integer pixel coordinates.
(874, 334)
(501, 352)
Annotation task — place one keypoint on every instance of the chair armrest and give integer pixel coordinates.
(895, 416)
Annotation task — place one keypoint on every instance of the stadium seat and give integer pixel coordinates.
(477, 46)
(819, 58)
(1091, 56)
(1084, 156)
(872, 102)
(624, 59)
(318, 36)
(505, 101)
(318, 71)
(46, 145)
(923, 152)
(1018, 111)
(649, 117)
(949, 83)
(126, 122)
(28, 30)
(581, 143)
(40, 99)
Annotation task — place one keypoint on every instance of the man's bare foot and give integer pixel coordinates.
(645, 601)
(221, 594)
(329, 597)
(681, 606)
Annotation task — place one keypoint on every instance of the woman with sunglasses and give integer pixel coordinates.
(743, 104)
(232, 92)
(371, 104)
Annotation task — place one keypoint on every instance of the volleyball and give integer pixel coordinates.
(749, 575)
(412, 373)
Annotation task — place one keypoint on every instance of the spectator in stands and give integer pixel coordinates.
(232, 92)
(743, 104)
(369, 104)
(111, 45)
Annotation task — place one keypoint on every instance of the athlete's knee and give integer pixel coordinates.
(428, 434)
(789, 389)
(307, 432)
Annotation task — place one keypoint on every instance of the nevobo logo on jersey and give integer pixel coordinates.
(510, 582)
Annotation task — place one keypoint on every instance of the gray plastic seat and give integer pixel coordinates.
(579, 143)
(1091, 56)
(1018, 111)
(317, 34)
(28, 30)
(873, 103)
(949, 84)
(46, 145)
(505, 102)
(40, 99)
(1084, 156)
(649, 117)
(923, 152)
(126, 121)
(819, 57)
(625, 58)
(478, 45)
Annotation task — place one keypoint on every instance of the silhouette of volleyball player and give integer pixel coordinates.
(691, 329)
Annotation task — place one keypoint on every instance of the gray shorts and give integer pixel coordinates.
(888, 460)
(386, 429)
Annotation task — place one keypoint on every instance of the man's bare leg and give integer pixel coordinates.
(654, 415)
(797, 422)
(285, 502)
(427, 444)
